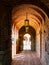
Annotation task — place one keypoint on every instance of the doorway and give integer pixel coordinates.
(27, 42)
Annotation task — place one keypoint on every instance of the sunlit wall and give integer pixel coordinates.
(14, 38)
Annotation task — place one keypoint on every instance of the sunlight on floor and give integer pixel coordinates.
(27, 58)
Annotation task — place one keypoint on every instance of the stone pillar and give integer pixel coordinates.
(38, 42)
(42, 43)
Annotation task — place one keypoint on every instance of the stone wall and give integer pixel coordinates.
(47, 41)
(47, 49)
(5, 35)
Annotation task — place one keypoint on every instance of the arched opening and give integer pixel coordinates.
(36, 18)
(22, 36)
(27, 42)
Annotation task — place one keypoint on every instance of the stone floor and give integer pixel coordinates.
(26, 58)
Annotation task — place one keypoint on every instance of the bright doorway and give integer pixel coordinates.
(27, 42)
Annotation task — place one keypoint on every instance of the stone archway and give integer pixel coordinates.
(37, 21)
(32, 33)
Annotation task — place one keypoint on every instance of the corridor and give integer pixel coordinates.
(27, 58)
(24, 25)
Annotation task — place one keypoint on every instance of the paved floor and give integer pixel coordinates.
(26, 58)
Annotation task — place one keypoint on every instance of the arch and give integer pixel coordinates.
(36, 17)
(35, 14)
(32, 33)
(27, 42)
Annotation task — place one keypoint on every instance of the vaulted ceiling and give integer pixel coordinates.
(35, 16)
